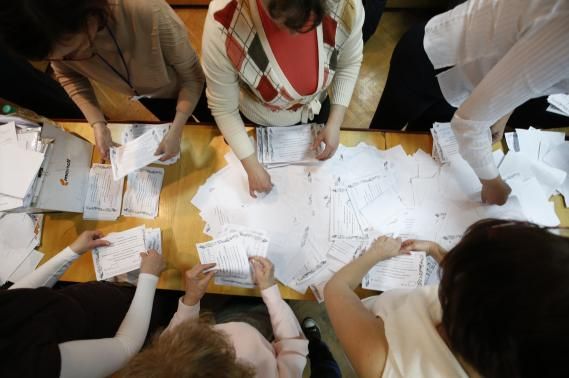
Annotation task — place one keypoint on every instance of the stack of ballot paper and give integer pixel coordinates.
(138, 129)
(559, 104)
(287, 145)
(231, 250)
(20, 234)
(320, 217)
(105, 195)
(123, 255)
(135, 154)
(22, 155)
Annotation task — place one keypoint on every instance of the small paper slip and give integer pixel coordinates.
(232, 264)
(344, 222)
(137, 129)
(122, 256)
(292, 144)
(143, 193)
(135, 154)
(18, 170)
(400, 272)
(104, 194)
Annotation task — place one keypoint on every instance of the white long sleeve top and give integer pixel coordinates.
(286, 357)
(98, 357)
(501, 53)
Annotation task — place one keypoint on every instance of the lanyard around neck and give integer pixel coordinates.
(124, 78)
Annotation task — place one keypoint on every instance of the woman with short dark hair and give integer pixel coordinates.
(138, 48)
(275, 61)
(500, 310)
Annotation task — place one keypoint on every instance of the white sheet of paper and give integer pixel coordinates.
(401, 272)
(18, 170)
(290, 144)
(343, 219)
(17, 240)
(104, 194)
(560, 101)
(8, 134)
(138, 129)
(122, 256)
(136, 154)
(558, 157)
(142, 195)
(254, 241)
(27, 266)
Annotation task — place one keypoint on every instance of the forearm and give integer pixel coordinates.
(284, 322)
(351, 275)
(336, 116)
(184, 312)
(48, 273)
(102, 357)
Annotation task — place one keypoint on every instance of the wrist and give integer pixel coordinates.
(99, 124)
(190, 300)
(250, 163)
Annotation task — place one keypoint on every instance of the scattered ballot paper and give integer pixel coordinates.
(104, 194)
(287, 145)
(231, 251)
(136, 130)
(142, 195)
(122, 256)
(18, 238)
(135, 154)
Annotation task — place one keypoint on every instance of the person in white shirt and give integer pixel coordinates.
(234, 348)
(473, 66)
(80, 330)
(500, 309)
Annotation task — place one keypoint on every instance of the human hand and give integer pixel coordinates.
(263, 272)
(259, 178)
(151, 262)
(170, 145)
(197, 280)
(385, 247)
(330, 135)
(87, 241)
(431, 248)
(103, 139)
(495, 191)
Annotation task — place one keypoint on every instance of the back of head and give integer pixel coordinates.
(505, 299)
(32, 28)
(297, 15)
(191, 350)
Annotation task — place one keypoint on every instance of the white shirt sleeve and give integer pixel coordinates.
(183, 313)
(102, 357)
(48, 274)
(290, 344)
(533, 65)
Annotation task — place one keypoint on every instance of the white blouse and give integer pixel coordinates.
(501, 53)
(410, 317)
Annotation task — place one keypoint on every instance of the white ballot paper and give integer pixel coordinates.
(405, 271)
(142, 195)
(344, 222)
(8, 134)
(104, 194)
(292, 144)
(138, 129)
(122, 256)
(232, 264)
(136, 154)
(255, 242)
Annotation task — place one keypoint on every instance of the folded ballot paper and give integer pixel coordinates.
(287, 145)
(231, 252)
(319, 217)
(123, 255)
(20, 234)
(105, 195)
(135, 154)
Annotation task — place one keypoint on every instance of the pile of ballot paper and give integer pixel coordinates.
(319, 217)
(20, 234)
(22, 156)
(104, 198)
(294, 144)
(122, 256)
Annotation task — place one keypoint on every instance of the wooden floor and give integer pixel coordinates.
(369, 87)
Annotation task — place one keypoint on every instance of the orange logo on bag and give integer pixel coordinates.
(64, 181)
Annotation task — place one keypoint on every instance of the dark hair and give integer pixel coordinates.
(504, 294)
(194, 349)
(32, 28)
(296, 13)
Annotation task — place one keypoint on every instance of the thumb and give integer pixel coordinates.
(100, 243)
(318, 140)
(159, 150)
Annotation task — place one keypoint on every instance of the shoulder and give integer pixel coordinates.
(222, 12)
(346, 12)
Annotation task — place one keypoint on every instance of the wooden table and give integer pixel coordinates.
(203, 150)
